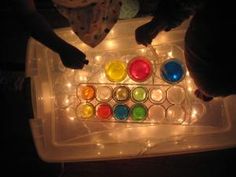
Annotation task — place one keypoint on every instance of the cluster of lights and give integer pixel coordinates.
(82, 76)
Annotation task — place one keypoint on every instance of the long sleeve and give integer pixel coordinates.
(35, 23)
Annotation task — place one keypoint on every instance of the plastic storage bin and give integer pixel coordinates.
(80, 115)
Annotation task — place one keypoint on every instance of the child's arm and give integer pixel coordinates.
(169, 14)
(40, 30)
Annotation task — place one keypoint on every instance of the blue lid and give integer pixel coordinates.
(172, 71)
(121, 112)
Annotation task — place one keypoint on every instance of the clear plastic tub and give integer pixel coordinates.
(176, 121)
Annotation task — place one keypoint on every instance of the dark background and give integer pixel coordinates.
(19, 155)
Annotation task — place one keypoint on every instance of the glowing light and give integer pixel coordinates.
(83, 78)
(98, 58)
(70, 113)
(142, 50)
(66, 101)
(72, 118)
(69, 85)
(176, 114)
(187, 73)
(102, 78)
(100, 145)
(110, 44)
(170, 54)
(149, 144)
(190, 89)
(194, 113)
(72, 32)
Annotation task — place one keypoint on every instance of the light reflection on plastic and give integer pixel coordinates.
(149, 144)
(102, 78)
(187, 73)
(194, 113)
(111, 44)
(190, 89)
(100, 145)
(69, 85)
(142, 50)
(98, 58)
(170, 54)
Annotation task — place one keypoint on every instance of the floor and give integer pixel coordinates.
(20, 156)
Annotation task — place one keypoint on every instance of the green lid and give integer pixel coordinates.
(139, 94)
(139, 112)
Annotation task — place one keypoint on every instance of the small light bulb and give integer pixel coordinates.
(142, 50)
(170, 54)
(69, 85)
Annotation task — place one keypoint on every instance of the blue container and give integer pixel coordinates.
(173, 71)
(121, 112)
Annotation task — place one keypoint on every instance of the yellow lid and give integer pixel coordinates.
(85, 110)
(116, 70)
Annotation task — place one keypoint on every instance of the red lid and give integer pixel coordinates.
(104, 111)
(139, 69)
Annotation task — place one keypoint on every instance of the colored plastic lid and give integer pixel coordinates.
(138, 112)
(116, 71)
(121, 93)
(121, 112)
(139, 69)
(139, 94)
(85, 110)
(172, 71)
(87, 92)
(104, 111)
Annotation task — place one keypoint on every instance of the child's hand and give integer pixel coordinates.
(72, 57)
(147, 32)
(143, 34)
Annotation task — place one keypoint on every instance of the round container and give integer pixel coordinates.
(85, 110)
(104, 93)
(138, 112)
(175, 114)
(103, 111)
(86, 92)
(157, 95)
(139, 94)
(115, 71)
(175, 95)
(156, 113)
(172, 71)
(121, 94)
(198, 110)
(121, 112)
(139, 69)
